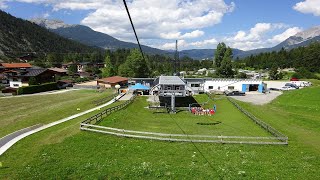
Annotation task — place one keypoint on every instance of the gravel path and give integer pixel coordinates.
(258, 98)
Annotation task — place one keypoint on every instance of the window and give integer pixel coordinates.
(230, 87)
(177, 87)
(210, 87)
(195, 85)
(16, 85)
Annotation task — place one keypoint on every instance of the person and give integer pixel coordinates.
(215, 108)
(211, 112)
(193, 110)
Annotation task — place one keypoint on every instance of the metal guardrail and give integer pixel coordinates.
(262, 124)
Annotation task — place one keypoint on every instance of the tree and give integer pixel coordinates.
(33, 81)
(219, 54)
(274, 74)
(109, 69)
(135, 65)
(225, 69)
(72, 69)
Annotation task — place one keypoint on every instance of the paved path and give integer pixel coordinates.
(18, 136)
(126, 97)
(42, 93)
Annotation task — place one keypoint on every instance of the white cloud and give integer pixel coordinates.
(308, 6)
(169, 46)
(3, 5)
(158, 19)
(177, 35)
(153, 19)
(205, 43)
(285, 35)
(259, 36)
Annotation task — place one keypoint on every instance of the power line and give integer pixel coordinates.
(134, 30)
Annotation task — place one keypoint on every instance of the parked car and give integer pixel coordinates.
(292, 85)
(287, 88)
(234, 93)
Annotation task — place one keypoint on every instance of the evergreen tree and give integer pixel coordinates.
(135, 65)
(109, 69)
(219, 54)
(225, 69)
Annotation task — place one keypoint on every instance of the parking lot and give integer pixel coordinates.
(258, 98)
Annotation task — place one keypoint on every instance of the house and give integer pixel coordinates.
(21, 78)
(110, 82)
(14, 66)
(81, 66)
(59, 71)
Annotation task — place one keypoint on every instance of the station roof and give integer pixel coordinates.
(171, 80)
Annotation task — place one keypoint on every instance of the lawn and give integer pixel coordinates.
(230, 121)
(20, 112)
(65, 152)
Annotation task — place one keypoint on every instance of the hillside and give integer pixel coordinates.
(18, 36)
(86, 35)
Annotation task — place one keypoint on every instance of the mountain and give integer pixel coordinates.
(303, 38)
(86, 35)
(18, 36)
(204, 53)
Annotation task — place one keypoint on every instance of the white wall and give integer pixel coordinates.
(275, 84)
(225, 83)
(15, 84)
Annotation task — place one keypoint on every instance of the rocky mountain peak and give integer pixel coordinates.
(51, 23)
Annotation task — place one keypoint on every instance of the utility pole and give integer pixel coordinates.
(176, 60)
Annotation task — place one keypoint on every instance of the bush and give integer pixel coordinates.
(38, 88)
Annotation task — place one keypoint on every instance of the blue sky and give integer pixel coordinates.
(243, 24)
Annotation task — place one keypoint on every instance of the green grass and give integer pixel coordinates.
(64, 152)
(20, 112)
(233, 122)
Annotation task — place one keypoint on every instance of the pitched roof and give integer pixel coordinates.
(171, 80)
(60, 70)
(16, 65)
(34, 72)
(113, 79)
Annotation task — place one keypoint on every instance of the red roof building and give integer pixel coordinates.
(15, 65)
(112, 81)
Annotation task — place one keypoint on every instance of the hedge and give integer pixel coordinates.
(38, 88)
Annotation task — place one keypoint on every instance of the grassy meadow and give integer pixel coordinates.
(21, 112)
(230, 121)
(65, 152)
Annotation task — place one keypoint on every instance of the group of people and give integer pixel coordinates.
(202, 111)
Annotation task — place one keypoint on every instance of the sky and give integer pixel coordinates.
(196, 24)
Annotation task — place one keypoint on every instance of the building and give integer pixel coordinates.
(170, 86)
(21, 78)
(110, 82)
(14, 66)
(81, 66)
(244, 85)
